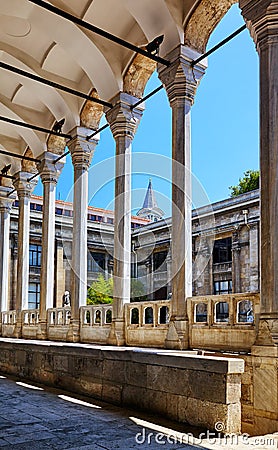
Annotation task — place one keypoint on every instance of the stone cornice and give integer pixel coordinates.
(122, 119)
(180, 79)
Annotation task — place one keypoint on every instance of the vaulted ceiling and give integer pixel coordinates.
(42, 43)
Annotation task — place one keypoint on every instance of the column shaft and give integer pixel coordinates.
(24, 190)
(123, 123)
(4, 255)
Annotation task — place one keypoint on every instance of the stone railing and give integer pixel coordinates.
(95, 323)
(147, 323)
(58, 321)
(223, 322)
(30, 323)
(8, 323)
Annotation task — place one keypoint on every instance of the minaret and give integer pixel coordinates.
(150, 209)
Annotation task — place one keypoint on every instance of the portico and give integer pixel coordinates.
(103, 74)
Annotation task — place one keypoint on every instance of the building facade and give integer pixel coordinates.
(225, 249)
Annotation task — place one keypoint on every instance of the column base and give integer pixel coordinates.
(178, 334)
(42, 331)
(73, 335)
(267, 337)
(117, 333)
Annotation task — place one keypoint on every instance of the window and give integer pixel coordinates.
(92, 217)
(201, 313)
(223, 287)
(148, 316)
(58, 211)
(163, 314)
(96, 262)
(110, 220)
(159, 261)
(222, 251)
(67, 212)
(33, 295)
(35, 252)
(245, 312)
(222, 312)
(134, 316)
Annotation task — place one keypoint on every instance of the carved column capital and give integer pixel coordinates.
(180, 79)
(6, 201)
(49, 172)
(122, 119)
(261, 17)
(24, 187)
(81, 149)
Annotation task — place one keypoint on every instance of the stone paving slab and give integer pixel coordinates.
(32, 419)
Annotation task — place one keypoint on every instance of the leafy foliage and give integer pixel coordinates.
(100, 291)
(247, 183)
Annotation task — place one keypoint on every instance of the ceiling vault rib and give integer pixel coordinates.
(17, 155)
(33, 127)
(53, 84)
(98, 31)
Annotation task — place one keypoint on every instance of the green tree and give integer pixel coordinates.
(100, 291)
(137, 291)
(248, 182)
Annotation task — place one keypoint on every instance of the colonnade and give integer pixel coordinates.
(180, 80)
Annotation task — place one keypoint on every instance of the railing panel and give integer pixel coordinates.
(147, 323)
(223, 322)
(95, 323)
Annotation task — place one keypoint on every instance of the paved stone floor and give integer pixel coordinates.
(36, 417)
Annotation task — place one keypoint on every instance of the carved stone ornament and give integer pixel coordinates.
(91, 113)
(268, 332)
(137, 75)
(56, 144)
(28, 166)
(203, 20)
(124, 121)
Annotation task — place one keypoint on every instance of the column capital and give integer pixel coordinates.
(6, 201)
(24, 187)
(122, 119)
(49, 172)
(180, 79)
(261, 17)
(81, 149)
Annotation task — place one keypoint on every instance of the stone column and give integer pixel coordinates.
(236, 267)
(254, 257)
(262, 19)
(49, 173)
(60, 279)
(180, 81)
(5, 210)
(123, 123)
(24, 190)
(81, 152)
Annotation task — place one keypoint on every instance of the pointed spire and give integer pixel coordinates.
(150, 209)
(150, 201)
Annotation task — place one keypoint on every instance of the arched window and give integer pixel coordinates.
(108, 316)
(222, 312)
(201, 313)
(245, 312)
(87, 317)
(163, 314)
(98, 316)
(148, 316)
(134, 316)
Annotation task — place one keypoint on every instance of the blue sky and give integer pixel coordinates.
(225, 131)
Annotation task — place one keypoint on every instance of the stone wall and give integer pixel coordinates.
(199, 390)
